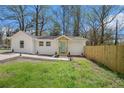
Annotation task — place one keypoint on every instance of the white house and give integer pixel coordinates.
(47, 45)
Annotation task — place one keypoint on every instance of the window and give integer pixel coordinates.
(40, 43)
(48, 43)
(21, 44)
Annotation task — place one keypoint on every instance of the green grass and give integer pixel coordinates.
(77, 73)
(4, 50)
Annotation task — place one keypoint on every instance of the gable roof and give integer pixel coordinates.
(63, 36)
(50, 37)
(20, 32)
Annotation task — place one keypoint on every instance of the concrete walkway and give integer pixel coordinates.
(4, 57)
(44, 57)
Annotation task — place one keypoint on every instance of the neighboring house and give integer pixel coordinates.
(120, 39)
(48, 45)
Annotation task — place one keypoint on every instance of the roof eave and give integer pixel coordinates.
(63, 36)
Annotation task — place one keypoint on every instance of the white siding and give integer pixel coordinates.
(75, 47)
(28, 43)
(49, 50)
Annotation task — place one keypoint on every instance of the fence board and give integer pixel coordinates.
(111, 56)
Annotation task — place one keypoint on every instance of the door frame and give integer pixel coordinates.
(66, 46)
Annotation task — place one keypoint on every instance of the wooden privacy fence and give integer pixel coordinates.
(110, 55)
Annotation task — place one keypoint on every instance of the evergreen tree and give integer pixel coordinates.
(56, 29)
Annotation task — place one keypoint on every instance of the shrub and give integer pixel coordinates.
(68, 55)
(56, 54)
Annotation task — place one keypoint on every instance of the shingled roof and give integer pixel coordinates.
(51, 37)
(46, 37)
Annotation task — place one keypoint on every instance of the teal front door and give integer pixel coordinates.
(63, 47)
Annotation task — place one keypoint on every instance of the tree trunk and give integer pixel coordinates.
(77, 21)
(102, 33)
(116, 33)
(94, 35)
(36, 21)
(23, 20)
(42, 25)
(64, 32)
(21, 8)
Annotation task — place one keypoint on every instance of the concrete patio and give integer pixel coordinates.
(8, 56)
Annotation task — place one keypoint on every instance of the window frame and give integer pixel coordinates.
(41, 43)
(47, 43)
(21, 43)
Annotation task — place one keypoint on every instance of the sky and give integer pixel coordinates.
(120, 17)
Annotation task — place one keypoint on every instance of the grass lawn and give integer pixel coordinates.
(77, 73)
(4, 50)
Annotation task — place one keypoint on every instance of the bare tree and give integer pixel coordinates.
(94, 27)
(70, 19)
(102, 14)
(17, 14)
(77, 18)
(1, 36)
(40, 18)
(44, 19)
(116, 33)
(118, 28)
(37, 11)
(63, 16)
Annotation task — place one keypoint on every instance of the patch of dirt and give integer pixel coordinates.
(6, 75)
(26, 59)
(77, 65)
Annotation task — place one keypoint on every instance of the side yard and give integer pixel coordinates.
(79, 73)
(111, 56)
(4, 50)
